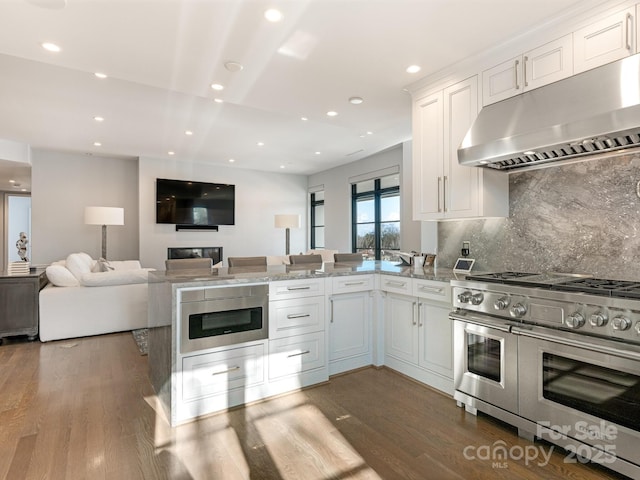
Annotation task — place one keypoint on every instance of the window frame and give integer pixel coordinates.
(313, 203)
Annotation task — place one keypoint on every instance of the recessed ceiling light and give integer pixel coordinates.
(281, 166)
(413, 69)
(51, 47)
(369, 133)
(171, 152)
(231, 160)
(217, 86)
(23, 190)
(317, 153)
(273, 15)
(218, 100)
(12, 181)
(260, 144)
(304, 119)
(188, 132)
(100, 75)
(362, 136)
(97, 144)
(331, 113)
(356, 100)
(233, 66)
(99, 119)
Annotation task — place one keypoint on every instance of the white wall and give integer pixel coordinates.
(337, 194)
(259, 197)
(62, 185)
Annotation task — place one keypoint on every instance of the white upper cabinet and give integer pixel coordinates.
(606, 40)
(543, 65)
(442, 188)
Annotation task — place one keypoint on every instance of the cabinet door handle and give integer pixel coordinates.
(444, 193)
(515, 69)
(230, 369)
(524, 73)
(413, 312)
(351, 284)
(331, 310)
(627, 33)
(395, 284)
(298, 315)
(298, 354)
(299, 288)
(439, 181)
(419, 316)
(430, 289)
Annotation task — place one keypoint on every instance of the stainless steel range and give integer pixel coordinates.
(557, 356)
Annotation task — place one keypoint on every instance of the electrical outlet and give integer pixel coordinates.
(466, 248)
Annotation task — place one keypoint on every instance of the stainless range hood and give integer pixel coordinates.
(594, 112)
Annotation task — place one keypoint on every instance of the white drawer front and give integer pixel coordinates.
(289, 356)
(392, 283)
(215, 373)
(279, 290)
(433, 290)
(296, 316)
(352, 283)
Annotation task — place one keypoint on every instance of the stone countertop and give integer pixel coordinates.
(234, 275)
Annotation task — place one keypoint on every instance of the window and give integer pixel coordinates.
(317, 220)
(376, 217)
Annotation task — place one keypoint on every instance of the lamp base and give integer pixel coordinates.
(104, 242)
(287, 233)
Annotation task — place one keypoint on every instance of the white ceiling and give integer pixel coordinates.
(161, 56)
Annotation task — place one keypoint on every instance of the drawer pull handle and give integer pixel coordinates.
(298, 315)
(350, 284)
(430, 289)
(230, 369)
(299, 288)
(396, 284)
(298, 354)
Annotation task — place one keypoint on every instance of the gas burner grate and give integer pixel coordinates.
(599, 286)
(499, 277)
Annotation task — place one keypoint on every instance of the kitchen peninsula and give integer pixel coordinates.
(317, 321)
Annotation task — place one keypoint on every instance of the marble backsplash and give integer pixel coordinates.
(577, 218)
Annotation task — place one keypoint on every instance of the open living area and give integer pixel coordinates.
(318, 239)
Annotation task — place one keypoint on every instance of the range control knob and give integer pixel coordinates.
(575, 320)
(501, 303)
(464, 297)
(518, 310)
(477, 298)
(598, 319)
(638, 328)
(621, 323)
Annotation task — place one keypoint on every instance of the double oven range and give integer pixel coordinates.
(557, 356)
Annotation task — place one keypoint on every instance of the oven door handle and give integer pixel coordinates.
(481, 321)
(604, 347)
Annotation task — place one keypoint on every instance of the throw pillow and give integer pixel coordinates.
(60, 276)
(79, 264)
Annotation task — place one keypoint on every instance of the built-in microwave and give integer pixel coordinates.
(217, 316)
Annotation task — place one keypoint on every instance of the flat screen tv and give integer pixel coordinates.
(187, 203)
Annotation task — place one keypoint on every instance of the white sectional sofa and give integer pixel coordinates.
(90, 297)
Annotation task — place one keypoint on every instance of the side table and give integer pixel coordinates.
(19, 299)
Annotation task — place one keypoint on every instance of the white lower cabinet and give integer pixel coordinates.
(418, 332)
(350, 323)
(297, 335)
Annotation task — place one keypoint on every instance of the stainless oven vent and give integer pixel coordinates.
(594, 112)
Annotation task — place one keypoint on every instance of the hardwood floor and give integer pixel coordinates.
(84, 408)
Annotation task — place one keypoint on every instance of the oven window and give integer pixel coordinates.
(602, 392)
(224, 322)
(483, 356)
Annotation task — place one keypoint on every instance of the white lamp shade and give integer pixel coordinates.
(103, 216)
(287, 221)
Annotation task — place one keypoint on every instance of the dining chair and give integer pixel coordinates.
(347, 257)
(188, 263)
(247, 261)
(299, 259)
